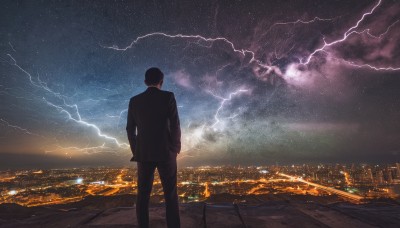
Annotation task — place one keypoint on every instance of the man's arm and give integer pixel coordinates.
(131, 128)
(175, 127)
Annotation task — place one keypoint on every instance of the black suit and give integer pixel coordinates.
(154, 135)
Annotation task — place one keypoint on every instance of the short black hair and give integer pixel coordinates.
(153, 76)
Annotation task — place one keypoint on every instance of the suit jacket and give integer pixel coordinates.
(153, 126)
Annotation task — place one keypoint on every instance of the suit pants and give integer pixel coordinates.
(167, 171)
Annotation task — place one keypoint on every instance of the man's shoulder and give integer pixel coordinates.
(165, 93)
(136, 97)
(143, 95)
(169, 93)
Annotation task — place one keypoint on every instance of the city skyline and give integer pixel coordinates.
(356, 184)
(285, 83)
(356, 195)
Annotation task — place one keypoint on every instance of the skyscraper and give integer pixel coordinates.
(379, 177)
(398, 171)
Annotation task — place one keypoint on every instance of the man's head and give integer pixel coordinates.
(154, 77)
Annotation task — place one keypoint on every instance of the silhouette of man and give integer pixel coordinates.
(154, 135)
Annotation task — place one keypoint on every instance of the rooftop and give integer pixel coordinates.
(274, 213)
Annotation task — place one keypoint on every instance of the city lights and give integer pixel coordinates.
(79, 181)
(12, 192)
(355, 183)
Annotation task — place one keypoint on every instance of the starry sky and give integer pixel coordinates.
(256, 82)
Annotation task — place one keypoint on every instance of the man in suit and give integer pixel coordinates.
(154, 135)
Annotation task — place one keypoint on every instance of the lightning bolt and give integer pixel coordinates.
(382, 34)
(242, 52)
(84, 123)
(223, 101)
(287, 52)
(304, 22)
(349, 32)
(26, 131)
(40, 84)
(78, 119)
(119, 116)
(365, 65)
(12, 47)
(299, 21)
(78, 149)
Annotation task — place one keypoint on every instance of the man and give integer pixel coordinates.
(154, 135)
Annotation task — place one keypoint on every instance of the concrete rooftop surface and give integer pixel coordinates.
(268, 214)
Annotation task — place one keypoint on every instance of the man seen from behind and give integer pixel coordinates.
(154, 135)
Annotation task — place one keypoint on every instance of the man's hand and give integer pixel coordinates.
(133, 155)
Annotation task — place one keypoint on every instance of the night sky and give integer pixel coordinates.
(256, 82)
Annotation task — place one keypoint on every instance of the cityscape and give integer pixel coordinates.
(329, 182)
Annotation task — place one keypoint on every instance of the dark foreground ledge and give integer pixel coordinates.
(267, 214)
